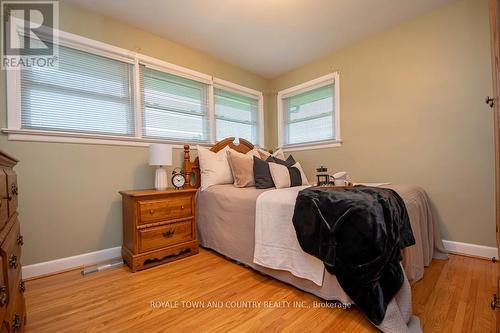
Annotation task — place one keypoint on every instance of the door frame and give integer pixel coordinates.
(495, 66)
(495, 70)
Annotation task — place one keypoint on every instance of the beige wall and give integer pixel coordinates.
(413, 111)
(69, 201)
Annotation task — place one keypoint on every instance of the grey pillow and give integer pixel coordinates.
(262, 174)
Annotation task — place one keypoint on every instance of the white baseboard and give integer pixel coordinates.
(58, 265)
(471, 249)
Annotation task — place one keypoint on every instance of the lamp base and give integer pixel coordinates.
(161, 180)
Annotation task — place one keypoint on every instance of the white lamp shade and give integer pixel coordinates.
(160, 154)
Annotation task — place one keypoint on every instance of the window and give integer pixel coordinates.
(309, 114)
(173, 107)
(236, 114)
(107, 95)
(87, 93)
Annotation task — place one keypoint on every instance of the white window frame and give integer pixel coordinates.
(332, 78)
(13, 93)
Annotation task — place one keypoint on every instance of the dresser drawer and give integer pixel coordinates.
(165, 235)
(4, 212)
(3, 293)
(12, 190)
(165, 209)
(16, 313)
(11, 258)
(4, 204)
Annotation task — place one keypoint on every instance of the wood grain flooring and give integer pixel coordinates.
(454, 296)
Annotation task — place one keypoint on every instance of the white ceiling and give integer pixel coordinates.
(266, 37)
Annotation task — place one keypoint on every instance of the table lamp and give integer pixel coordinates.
(161, 156)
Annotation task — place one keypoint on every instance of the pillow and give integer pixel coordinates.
(287, 176)
(265, 154)
(262, 174)
(289, 161)
(214, 167)
(242, 167)
(302, 173)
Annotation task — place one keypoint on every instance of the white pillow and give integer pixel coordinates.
(265, 154)
(281, 175)
(279, 154)
(214, 167)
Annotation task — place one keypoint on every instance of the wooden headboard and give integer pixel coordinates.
(192, 169)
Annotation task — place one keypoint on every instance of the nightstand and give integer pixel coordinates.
(158, 227)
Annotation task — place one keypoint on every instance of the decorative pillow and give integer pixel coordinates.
(262, 174)
(242, 167)
(287, 176)
(214, 167)
(289, 161)
(302, 173)
(265, 154)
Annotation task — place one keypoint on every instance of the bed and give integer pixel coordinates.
(226, 222)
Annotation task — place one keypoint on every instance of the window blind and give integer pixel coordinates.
(86, 93)
(235, 115)
(309, 116)
(173, 107)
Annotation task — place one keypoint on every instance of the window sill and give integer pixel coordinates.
(94, 139)
(312, 145)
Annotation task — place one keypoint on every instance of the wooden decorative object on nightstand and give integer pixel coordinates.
(158, 226)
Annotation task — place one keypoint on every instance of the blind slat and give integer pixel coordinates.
(235, 115)
(86, 93)
(309, 116)
(173, 107)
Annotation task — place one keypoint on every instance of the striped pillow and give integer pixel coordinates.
(287, 176)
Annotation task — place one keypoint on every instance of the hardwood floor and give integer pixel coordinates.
(454, 296)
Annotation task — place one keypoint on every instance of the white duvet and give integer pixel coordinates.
(276, 244)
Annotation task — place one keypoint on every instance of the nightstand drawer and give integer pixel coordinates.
(162, 210)
(165, 235)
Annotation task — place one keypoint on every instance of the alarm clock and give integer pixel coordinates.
(178, 179)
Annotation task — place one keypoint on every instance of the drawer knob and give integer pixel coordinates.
(3, 295)
(168, 233)
(22, 286)
(20, 240)
(13, 261)
(16, 322)
(14, 190)
(182, 207)
(151, 211)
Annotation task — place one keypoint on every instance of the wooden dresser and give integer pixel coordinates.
(12, 305)
(158, 226)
